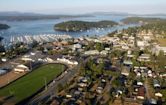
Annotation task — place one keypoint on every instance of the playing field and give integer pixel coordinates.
(32, 82)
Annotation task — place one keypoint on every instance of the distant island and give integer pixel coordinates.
(143, 20)
(83, 25)
(4, 26)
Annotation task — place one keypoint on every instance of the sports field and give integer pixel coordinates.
(32, 82)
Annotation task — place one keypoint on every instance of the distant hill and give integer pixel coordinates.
(144, 20)
(111, 13)
(82, 25)
(13, 13)
(127, 14)
(18, 16)
(4, 26)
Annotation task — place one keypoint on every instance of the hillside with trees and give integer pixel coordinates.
(155, 25)
(4, 26)
(82, 25)
(143, 20)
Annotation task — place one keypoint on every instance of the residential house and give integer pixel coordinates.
(141, 93)
(144, 58)
(125, 71)
(92, 52)
(156, 83)
(127, 62)
(156, 50)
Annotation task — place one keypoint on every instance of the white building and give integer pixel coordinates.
(70, 62)
(104, 52)
(144, 58)
(4, 59)
(156, 50)
(125, 72)
(77, 46)
(158, 94)
(92, 52)
(142, 44)
(21, 68)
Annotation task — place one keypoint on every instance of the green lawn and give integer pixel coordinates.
(29, 84)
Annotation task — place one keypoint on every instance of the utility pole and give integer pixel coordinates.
(31, 65)
(45, 83)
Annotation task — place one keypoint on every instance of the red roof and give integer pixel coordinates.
(141, 91)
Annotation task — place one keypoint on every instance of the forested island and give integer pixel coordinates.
(83, 25)
(4, 26)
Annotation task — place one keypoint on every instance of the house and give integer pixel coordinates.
(127, 62)
(92, 52)
(144, 58)
(118, 92)
(77, 46)
(26, 59)
(125, 72)
(156, 83)
(99, 90)
(163, 75)
(150, 73)
(125, 47)
(141, 93)
(49, 60)
(147, 38)
(4, 59)
(139, 83)
(142, 44)
(21, 68)
(153, 101)
(104, 52)
(82, 85)
(2, 71)
(107, 49)
(156, 49)
(158, 94)
(138, 74)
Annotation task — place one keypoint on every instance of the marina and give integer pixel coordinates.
(38, 38)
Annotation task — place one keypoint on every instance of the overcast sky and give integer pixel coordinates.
(84, 6)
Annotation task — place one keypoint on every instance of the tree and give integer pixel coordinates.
(60, 87)
(99, 68)
(161, 60)
(2, 48)
(1, 38)
(99, 46)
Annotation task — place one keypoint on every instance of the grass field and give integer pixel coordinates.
(162, 41)
(32, 82)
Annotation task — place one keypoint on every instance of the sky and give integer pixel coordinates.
(84, 6)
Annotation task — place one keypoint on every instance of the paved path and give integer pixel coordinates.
(147, 88)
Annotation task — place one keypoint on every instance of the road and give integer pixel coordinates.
(147, 88)
(51, 89)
